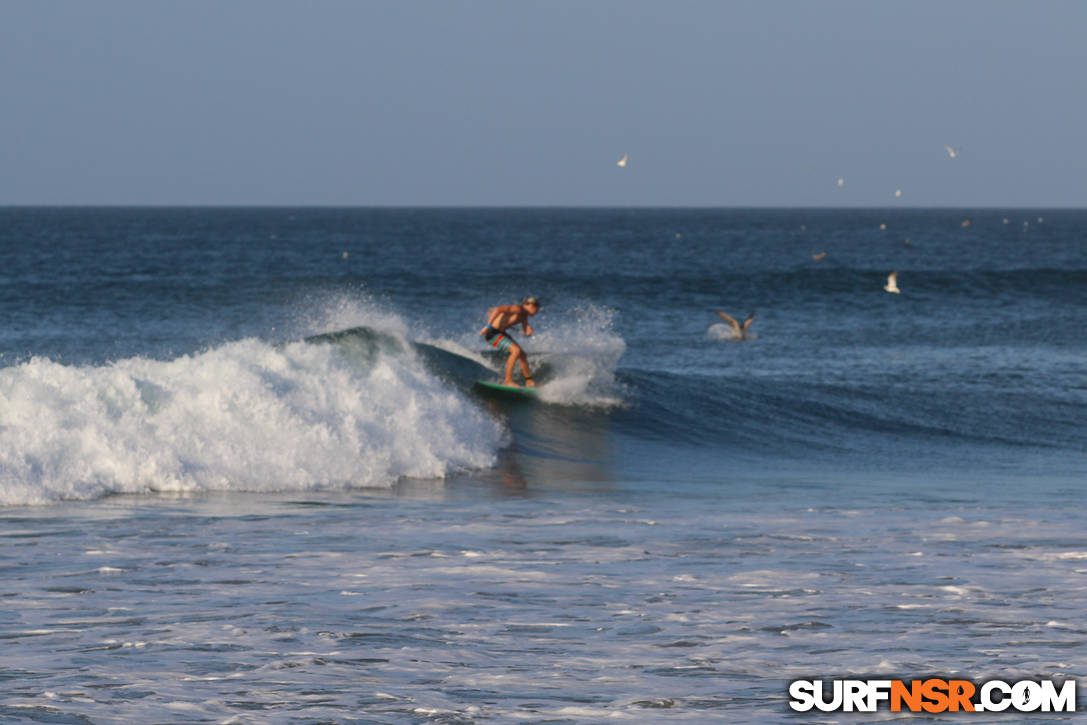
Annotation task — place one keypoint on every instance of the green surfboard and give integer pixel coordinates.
(512, 389)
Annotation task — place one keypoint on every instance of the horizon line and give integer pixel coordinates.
(626, 207)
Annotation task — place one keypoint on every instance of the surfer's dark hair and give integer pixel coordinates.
(530, 301)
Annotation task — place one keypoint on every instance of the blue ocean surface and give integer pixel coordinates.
(246, 477)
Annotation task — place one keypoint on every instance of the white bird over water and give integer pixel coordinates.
(892, 283)
(951, 152)
(622, 162)
(738, 330)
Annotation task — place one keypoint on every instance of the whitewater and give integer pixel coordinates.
(246, 416)
(246, 476)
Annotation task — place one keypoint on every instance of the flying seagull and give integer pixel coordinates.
(739, 330)
(951, 152)
(622, 162)
(892, 283)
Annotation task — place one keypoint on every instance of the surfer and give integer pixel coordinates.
(501, 318)
(739, 330)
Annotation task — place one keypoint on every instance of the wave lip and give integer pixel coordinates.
(244, 416)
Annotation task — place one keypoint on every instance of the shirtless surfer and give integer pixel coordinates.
(501, 318)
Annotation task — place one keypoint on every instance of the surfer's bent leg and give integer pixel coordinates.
(523, 359)
(515, 354)
(504, 341)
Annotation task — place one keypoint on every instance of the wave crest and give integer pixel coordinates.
(243, 416)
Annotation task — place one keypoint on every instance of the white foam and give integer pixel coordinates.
(246, 416)
(343, 312)
(582, 350)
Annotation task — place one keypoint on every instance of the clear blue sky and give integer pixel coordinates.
(509, 102)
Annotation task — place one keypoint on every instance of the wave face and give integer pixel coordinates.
(800, 420)
(246, 415)
(199, 349)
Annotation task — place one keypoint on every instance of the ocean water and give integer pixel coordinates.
(245, 476)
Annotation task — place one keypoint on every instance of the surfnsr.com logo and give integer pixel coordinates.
(933, 695)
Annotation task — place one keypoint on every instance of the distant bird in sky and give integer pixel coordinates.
(739, 330)
(951, 152)
(892, 283)
(622, 162)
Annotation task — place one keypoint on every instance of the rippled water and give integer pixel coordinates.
(471, 602)
(245, 478)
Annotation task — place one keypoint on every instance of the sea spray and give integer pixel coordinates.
(246, 415)
(580, 353)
